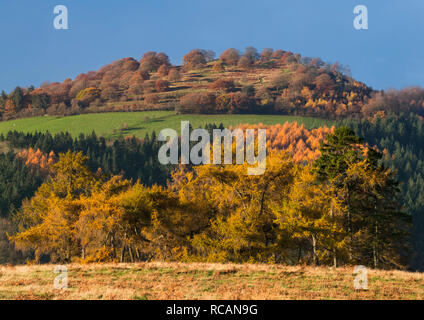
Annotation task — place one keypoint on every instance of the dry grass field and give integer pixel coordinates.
(157, 280)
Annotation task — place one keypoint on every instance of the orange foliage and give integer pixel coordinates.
(302, 143)
(38, 159)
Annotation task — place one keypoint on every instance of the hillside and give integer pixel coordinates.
(272, 82)
(152, 281)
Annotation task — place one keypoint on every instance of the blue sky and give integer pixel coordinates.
(389, 54)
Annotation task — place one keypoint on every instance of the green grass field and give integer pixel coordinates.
(111, 125)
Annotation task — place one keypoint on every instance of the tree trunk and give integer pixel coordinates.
(334, 253)
(121, 258)
(375, 249)
(349, 226)
(334, 258)
(314, 250)
(131, 254)
(299, 254)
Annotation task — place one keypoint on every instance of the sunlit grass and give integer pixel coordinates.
(112, 125)
(157, 280)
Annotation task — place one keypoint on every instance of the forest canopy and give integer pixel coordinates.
(316, 213)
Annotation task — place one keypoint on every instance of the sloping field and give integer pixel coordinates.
(180, 281)
(111, 125)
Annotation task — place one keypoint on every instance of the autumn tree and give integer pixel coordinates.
(264, 96)
(230, 56)
(195, 59)
(278, 54)
(109, 91)
(9, 109)
(161, 85)
(135, 85)
(244, 62)
(239, 103)
(46, 221)
(111, 222)
(242, 228)
(300, 80)
(151, 98)
(313, 218)
(280, 80)
(324, 83)
(266, 54)
(151, 61)
(198, 102)
(163, 70)
(251, 54)
(222, 85)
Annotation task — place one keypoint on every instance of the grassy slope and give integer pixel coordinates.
(140, 123)
(204, 281)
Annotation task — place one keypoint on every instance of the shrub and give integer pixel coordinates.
(88, 95)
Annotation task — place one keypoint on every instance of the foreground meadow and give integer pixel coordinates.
(156, 280)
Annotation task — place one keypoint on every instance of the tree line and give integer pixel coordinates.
(132, 157)
(398, 137)
(342, 209)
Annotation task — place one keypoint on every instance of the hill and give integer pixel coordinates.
(152, 281)
(272, 82)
